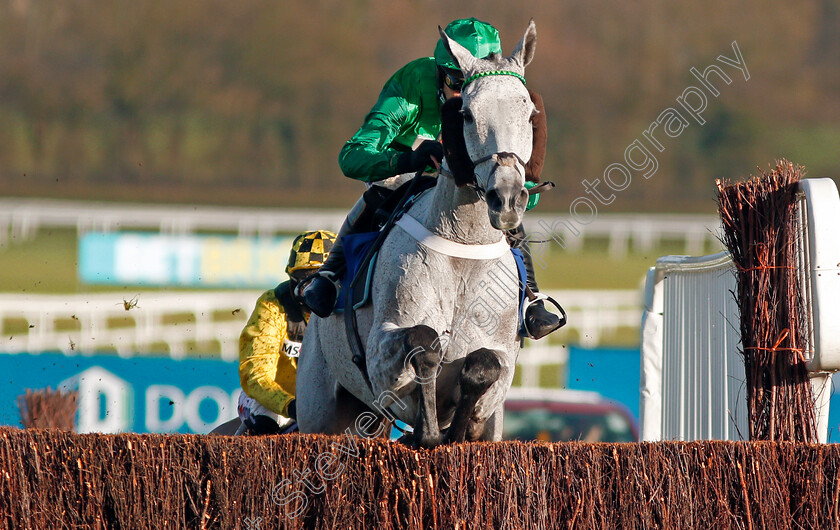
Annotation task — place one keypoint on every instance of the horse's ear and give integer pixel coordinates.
(524, 51)
(454, 145)
(463, 58)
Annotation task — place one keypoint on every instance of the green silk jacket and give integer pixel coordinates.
(408, 107)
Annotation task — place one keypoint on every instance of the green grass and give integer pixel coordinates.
(550, 376)
(814, 147)
(594, 268)
(44, 264)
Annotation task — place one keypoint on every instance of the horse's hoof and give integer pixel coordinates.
(407, 439)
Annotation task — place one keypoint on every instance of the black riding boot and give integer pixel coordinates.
(539, 321)
(319, 294)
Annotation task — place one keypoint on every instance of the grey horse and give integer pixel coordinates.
(441, 334)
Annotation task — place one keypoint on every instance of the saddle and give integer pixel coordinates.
(356, 247)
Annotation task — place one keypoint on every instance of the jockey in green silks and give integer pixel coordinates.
(399, 138)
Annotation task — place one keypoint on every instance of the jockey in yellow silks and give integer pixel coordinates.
(270, 343)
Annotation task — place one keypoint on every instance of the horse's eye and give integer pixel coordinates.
(468, 117)
(533, 115)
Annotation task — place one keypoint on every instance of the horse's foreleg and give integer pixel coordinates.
(490, 430)
(423, 347)
(481, 369)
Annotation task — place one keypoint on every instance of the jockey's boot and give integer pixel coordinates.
(319, 293)
(539, 321)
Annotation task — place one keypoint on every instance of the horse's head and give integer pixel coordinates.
(497, 112)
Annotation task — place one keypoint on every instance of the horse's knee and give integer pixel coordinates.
(481, 369)
(423, 357)
(423, 346)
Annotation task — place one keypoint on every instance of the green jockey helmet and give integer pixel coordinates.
(479, 38)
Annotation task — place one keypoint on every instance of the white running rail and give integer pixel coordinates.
(21, 219)
(190, 323)
(170, 323)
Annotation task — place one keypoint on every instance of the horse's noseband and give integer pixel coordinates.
(479, 190)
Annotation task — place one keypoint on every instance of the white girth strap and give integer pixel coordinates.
(450, 248)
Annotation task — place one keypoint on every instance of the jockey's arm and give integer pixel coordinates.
(265, 372)
(370, 155)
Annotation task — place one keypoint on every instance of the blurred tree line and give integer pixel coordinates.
(249, 102)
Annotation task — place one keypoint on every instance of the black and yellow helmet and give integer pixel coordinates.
(310, 250)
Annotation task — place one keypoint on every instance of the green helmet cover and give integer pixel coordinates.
(479, 38)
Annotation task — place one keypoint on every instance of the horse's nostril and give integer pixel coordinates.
(494, 201)
(522, 198)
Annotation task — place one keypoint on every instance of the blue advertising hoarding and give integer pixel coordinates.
(612, 372)
(615, 374)
(138, 394)
(159, 394)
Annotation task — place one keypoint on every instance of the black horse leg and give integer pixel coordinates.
(481, 369)
(423, 347)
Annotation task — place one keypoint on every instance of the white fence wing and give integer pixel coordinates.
(690, 357)
(693, 381)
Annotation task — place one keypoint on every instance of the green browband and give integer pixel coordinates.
(494, 72)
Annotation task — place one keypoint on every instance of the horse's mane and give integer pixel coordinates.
(534, 167)
(454, 145)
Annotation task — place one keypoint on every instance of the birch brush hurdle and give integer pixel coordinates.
(48, 409)
(760, 232)
(51, 479)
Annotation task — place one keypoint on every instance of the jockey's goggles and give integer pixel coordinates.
(453, 79)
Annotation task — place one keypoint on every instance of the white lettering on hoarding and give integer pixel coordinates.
(172, 395)
(156, 259)
(186, 408)
(99, 386)
(106, 404)
(193, 403)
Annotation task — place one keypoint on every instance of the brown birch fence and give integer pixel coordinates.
(51, 479)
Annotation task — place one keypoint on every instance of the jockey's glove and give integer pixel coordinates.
(420, 158)
(291, 410)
